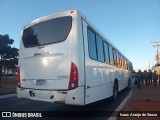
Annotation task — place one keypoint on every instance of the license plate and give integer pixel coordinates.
(41, 82)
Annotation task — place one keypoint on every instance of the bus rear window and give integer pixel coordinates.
(48, 32)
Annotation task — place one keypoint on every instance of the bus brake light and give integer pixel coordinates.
(18, 77)
(73, 82)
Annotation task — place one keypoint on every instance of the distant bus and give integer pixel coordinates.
(64, 58)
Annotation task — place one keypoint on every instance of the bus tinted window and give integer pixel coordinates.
(92, 44)
(120, 60)
(111, 55)
(123, 62)
(106, 52)
(51, 31)
(100, 49)
(115, 57)
(118, 63)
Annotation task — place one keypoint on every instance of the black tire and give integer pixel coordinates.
(129, 82)
(115, 91)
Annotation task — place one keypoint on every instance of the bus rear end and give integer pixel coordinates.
(46, 70)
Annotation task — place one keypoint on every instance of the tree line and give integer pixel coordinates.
(8, 55)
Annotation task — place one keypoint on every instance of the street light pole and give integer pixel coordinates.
(156, 45)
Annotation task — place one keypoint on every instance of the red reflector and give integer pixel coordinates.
(18, 77)
(74, 78)
(88, 86)
(64, 92)
(88, 95)
(72, 11)
(39, 47)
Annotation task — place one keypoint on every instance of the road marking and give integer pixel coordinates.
(7, 96)
(113, 117)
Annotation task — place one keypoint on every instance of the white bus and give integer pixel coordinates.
(64, 58)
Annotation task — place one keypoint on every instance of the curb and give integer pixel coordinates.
(120, 106)
(7, 96)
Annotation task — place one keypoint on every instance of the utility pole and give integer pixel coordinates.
(156, 45)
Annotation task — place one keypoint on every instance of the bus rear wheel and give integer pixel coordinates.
(115, 91)
(129, 84)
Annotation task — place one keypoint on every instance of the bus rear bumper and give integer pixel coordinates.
(73, 97)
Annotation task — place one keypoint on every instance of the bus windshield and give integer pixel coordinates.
(48, 32)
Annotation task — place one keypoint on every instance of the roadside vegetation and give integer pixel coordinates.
(8, 65)
(8, 86)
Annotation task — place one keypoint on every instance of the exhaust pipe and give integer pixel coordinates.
(31, 93)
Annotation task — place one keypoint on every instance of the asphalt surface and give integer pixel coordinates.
(98, 110)
(9, 78)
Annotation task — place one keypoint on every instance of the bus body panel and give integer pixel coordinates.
(52, 63)
(53, 67)
(45, 71)
(96, 80)
(78, 48)
(72, 97)
(46, 66)
(100, 76)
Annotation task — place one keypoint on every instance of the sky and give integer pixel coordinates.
(131, 25)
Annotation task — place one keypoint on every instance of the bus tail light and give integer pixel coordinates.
(73, 82)
(18, 77)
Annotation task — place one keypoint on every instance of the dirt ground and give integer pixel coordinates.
(7, 86)
(145, 100)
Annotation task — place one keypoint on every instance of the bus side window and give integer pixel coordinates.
(120, 60)
(100, 53)
(92, 44)
(124, 65)
(106, 51)
(115, 57)
(111, 55)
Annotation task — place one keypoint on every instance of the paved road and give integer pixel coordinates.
(9, 77)
(15, 104)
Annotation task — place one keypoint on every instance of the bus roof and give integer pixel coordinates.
(101, 34)
(65, 13)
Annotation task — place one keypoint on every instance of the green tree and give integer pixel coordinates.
(10, 60)
(8, 55)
